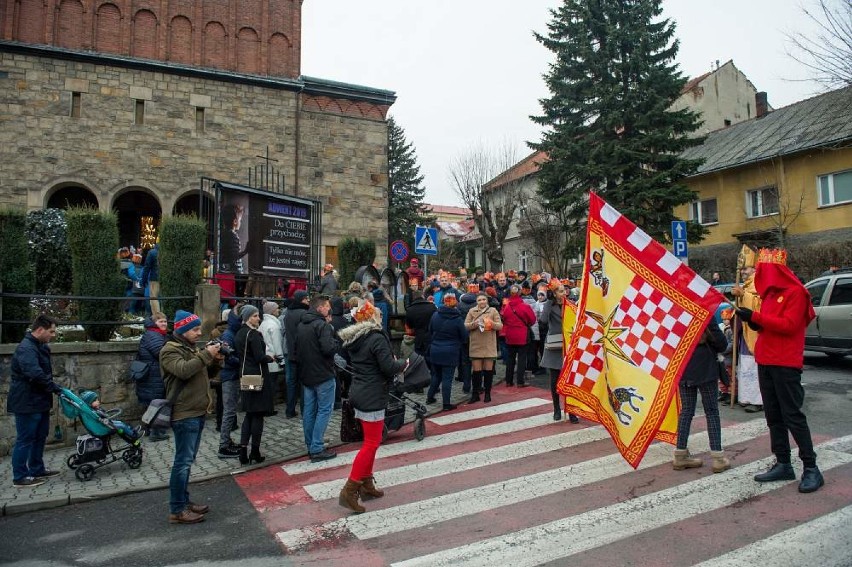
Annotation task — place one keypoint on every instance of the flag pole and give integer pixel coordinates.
(740, 264)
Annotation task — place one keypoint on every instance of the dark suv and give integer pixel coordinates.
(831, 331)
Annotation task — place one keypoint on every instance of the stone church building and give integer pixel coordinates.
(127, 104)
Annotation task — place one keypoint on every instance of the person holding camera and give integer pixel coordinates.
(257, 404)
(184, 367)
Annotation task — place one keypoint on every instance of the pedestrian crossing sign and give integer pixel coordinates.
(426, 240)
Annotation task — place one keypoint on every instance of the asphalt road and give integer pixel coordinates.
(133, 531)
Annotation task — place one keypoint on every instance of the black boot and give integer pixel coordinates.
(779, 471)
(475, 387)
(811, 480)
(244, 458)
(255, 456)
(489, 381)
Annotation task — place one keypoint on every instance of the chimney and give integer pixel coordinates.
(761, 104)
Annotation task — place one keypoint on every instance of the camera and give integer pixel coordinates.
(224, 348)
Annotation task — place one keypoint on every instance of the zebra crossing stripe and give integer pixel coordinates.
(489, 411)
(823, 541)
(512, 491)
(568, 536)
(433, 442)
(468, 461)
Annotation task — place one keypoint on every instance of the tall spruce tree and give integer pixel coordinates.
(405, 188)
(607, 122)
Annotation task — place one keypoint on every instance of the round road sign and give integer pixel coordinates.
(399, 251)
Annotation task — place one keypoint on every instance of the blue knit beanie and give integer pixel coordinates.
(184, 321)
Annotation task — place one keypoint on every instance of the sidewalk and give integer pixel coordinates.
(283, 440)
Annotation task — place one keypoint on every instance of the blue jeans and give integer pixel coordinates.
(442, 375)
(292, 387)
(31, 431)
(319, 402)
(187, 439)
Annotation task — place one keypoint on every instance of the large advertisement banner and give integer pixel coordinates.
(263, 233)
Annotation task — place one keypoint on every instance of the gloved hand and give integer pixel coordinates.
(744, 313)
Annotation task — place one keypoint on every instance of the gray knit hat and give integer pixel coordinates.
(247, 311)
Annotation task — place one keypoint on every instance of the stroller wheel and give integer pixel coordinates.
(385, 432)
(85, 472)
(73, 462)
(135, 461)
(419, 429)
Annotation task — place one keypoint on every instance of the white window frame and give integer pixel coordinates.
(523, 261)
(752, 214)
(697, 206)
(830, 178)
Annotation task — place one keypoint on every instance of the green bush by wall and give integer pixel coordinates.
(93, 241)
(352, 253)
(16, 273)
(183, 239)
(47, 231)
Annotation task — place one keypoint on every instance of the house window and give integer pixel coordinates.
(140, 111)
(76, 102)
(835, 188)
(522, 261)
(762, 202)
(704, 212)
(199, 119)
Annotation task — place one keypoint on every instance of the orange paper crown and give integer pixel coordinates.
(365, 312)
(772, 256)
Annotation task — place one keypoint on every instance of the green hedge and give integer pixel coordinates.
(352, 253)
(47, 231)
(16, 274)
(93, 241)
(183, 239)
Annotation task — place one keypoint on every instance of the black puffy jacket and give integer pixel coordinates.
(32, 383)
(316, 345)
(373, 365)
(703, 365)
(151, 387)
(418, 315)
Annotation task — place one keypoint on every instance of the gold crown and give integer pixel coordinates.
(746, 257)
(772, 256)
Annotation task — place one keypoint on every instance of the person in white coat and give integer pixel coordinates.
(273, 337)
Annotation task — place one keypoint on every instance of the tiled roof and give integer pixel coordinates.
(447, 210)
(823, 120)
(455, 229)
(528, 165)
(692, 83)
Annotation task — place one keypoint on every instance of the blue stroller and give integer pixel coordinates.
(95, 450)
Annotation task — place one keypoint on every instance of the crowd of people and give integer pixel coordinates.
(311, 350)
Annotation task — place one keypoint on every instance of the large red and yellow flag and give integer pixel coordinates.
(640, 314)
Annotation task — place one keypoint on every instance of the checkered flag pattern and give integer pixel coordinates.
(655, 326)
(588, 361)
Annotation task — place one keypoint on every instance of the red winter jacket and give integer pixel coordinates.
(517, 318)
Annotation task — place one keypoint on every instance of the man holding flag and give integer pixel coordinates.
(641, 314)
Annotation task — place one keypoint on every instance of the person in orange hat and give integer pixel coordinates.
(373, 369)
(448, 337)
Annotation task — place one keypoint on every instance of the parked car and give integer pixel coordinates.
(725, 289)
(831, 331)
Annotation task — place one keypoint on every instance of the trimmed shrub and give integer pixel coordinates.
(183, 239)
(352, 253)
(15, 273)
(93, 241)
(47, 231)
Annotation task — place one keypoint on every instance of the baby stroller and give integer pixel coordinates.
(415, 378)
(94, 450)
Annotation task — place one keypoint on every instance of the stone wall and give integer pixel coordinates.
(332, 149)
(101, 367)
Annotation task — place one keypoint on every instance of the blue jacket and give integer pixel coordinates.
(32, 385)
(151, 387)
(151, 271)
(448, 336)
(231, 365)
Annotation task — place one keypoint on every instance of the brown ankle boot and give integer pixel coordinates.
(368, 488)
(349, 496)
(683, 460)
(720, 461)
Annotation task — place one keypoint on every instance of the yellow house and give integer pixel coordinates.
(780, 179)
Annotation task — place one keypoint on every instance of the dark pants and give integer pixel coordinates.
(710, 401)
(31, 431)
(441, 376)
(292, 387)
(464, 367)
(783, 396)
(516, 354)
(252, 430)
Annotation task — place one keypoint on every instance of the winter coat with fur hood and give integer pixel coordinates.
(373, 365)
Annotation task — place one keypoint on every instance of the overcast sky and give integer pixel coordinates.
(469, 72)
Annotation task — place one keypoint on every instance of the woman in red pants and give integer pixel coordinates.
(373, 370)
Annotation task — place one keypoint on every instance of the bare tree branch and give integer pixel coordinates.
(828, 54)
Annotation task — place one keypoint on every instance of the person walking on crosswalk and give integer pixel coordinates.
(702, 375)
(373, 371)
